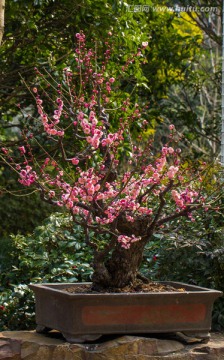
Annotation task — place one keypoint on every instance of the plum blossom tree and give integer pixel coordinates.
(111, 182)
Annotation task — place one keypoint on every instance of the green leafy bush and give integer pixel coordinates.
(55, 252)
(19, 212)
(17, 308)
(194, 255)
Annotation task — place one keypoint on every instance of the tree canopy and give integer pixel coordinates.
(173, 83)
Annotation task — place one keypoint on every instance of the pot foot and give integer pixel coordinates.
(40, 329)
(190, 337)
(75, 338)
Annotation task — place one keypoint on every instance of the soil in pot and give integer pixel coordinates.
(138, 287)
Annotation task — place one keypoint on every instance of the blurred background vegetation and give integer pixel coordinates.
(180, 82)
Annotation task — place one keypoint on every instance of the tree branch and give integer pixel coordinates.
(161, 205)
(183, 212)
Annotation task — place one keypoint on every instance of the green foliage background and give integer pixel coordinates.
(54, 252)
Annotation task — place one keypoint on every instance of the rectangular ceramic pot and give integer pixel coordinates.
(83, 317)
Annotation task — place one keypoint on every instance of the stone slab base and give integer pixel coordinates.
(28, 345)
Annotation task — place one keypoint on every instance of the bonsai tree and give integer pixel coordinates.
(95, 160)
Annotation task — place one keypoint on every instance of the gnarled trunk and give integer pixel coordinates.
(120, 269)
(121, 266)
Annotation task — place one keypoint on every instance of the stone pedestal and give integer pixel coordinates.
(28, 345)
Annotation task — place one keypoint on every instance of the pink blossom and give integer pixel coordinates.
(39, 101)
(22, 150)
(46, 161)
(148, 169)
(60, 133)
(161, 163)
(171, 150)
(92, 118)
(177, 198)
(80, 115)
(51, 193)
(126, 241)
(108, 88)
(156, 176)
(75, 161)
(130, 218)
(110, 139)
(95, 139)
(27, 176)
(172, 171)
(80, 37)
(164, 150)
(145, 210)
(175, 194)
(4, 150)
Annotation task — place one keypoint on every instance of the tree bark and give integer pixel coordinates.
(121, 266)
(121, 269)
(2, 18)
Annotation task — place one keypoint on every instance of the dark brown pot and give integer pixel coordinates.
(85, 317)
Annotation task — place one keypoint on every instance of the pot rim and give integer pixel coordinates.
(190, 289)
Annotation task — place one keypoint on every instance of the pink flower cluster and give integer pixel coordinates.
(80, 36)
(172, 171)
(85, 190)
(4, 150)
(89, 127)
(94, 140)
(126, 241)
(167, 150)
(27, 176)
(183, 198)
(109, 192)
(22, 150)
(50, 126)
(161, 162)
(110, 139)
(88, 124)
